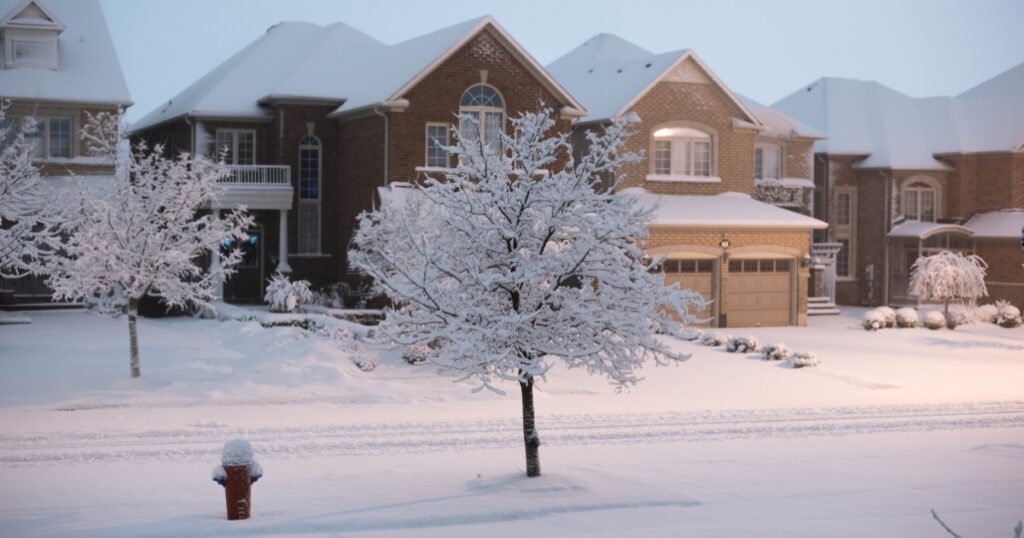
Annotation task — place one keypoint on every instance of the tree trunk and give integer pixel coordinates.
(133, 335)
(530, 429)
(945, 309)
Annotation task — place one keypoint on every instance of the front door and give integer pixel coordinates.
(246, 285)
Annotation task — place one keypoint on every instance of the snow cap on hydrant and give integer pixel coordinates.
(237, 471)
(236, 452)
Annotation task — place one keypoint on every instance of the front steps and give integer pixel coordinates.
(821, 306)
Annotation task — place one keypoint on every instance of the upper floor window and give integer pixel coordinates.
(309, 196)
(681, 151)
(437, 139)
(482, 115)
(767, 161)
(238, 145)
(31, 51)
(919, 201)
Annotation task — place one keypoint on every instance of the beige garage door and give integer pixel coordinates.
(695, 275)
(759, 293)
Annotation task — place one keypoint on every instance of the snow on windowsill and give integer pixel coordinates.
(670, 178)
(433, 169)
(316, 255)
(79, 159)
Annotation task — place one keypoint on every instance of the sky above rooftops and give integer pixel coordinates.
(764, 50)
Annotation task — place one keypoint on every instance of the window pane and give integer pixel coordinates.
(843, 208)
(687, 266)
(750, 266)
(493, 123)
(781, 266)
(246, 148)
(309, 173)
(701, 158)
(469, 126)
(735, 266)
(34, 130)
(662, 157)
(31, 52)
(671, 266)
(758, 163)
(225, 143)
(309, 228)
(910, 205)
(704, 266)
(767, 266)
(928, 205)
(437, 137)
(843, 258)
(772, 162)
(60, 137)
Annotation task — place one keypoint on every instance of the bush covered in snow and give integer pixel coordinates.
(691, 333)
(934, 320)
(415, 354)
(888, 314)
(1008, 316)
(803, 359)
(906, 318)
(714, 339)
(986, 313)
(742, 344)
(283, 295)
(948, 276)
(348, 343)
(873, 320)
(775, 352)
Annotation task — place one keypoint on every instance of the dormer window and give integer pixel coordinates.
(30, 33)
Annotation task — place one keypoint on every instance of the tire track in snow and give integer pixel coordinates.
(202, 442)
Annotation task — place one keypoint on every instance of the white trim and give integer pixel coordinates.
(532, 63)
(671, 178)
(234, 144)
(426, 144)
(55, 22)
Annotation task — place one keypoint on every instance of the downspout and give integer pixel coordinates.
(885, 240)
(191, 134)
(376, 111)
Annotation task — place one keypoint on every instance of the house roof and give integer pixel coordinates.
(1007, 223)
(609, 74)
(778, 123)
(725, 210)
(88, 68)
(894, 130)
(923, 229)
(288, 62)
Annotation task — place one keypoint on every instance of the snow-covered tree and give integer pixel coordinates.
(948, 276)
(142, 232)
(27, 223)
(517, 258)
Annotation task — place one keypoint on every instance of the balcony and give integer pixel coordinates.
(257, 186)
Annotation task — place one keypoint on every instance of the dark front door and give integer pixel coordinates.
(246, 285)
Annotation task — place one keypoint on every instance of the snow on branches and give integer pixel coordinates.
(948, 276)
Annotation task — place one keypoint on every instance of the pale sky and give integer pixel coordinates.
(763, 49)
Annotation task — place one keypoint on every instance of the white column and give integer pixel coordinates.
(218, 281)
(282, 242)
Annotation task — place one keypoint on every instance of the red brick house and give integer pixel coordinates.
(58, 64)
(316, 118)
(718, 166)
(901, 177)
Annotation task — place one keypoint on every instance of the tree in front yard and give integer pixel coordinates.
(948, 276)
(517, 259)
(141, 232)
(27, 224)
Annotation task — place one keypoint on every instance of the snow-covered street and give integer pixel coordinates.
(891, 425)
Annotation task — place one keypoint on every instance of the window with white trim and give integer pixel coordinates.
(437, 139)
(31, 51)
(482, 115)
(843, 230)
(767, 161)
(50, 137)
(919, 201)
(238, 145)
(309, 196)
(681, 151)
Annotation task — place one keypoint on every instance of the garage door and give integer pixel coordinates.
(695, 275)
(759, 293)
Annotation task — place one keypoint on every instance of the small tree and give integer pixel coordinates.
(27, 223)
(948, 276)
(517, 259)
(141, 233)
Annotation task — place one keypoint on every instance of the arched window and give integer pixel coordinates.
(309, 196)
(767, 161)
(919, 201)
(482, 115)
(682, 152)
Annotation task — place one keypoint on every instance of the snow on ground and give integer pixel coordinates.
(892, 424)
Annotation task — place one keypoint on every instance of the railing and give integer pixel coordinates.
(258, 174)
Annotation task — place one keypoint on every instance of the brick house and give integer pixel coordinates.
(316, 119)
(901, 177)
(718, 167)
(58, 64)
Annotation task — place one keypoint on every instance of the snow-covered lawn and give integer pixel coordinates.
(892, 424)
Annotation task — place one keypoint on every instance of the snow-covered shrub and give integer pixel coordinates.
(330, 295)
(1008, 316)
(691, 333)
(775, 352)
(906, 318)
(283, 295)
(888, 314)
(415, 354)
(986, 313)
(873, 320)
(344, 340)
(742, 344)
(934, 320)
(948, 276)
(714, 339)
(961, 315)
(803, 359)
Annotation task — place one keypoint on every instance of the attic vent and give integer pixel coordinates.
(648, 64)
(809, 88)
(591, 70)
(619, 71)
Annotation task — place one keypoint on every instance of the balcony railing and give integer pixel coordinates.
(258, 174)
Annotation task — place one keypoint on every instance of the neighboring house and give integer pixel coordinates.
(314, 119)
(902, 177)
(58, 63)
(708, 156)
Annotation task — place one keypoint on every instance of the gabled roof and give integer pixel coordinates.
(917, 229)
(777, 123)
(331, 64)
(88, 69)
(32, 14)
(893, 130)
(610, 74)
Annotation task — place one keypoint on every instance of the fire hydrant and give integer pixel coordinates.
(237, 472)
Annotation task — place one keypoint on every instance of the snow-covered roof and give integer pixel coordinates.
(608, 74)
(777, 123)
(288, 63)
(893, 130)
(725, 210)
(923, 229)
(88, 68)
(1007, 223)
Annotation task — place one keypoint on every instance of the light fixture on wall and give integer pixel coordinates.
(724, 243)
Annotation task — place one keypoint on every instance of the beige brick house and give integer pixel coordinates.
(58, 63)
(722, 171)
(901, 177)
